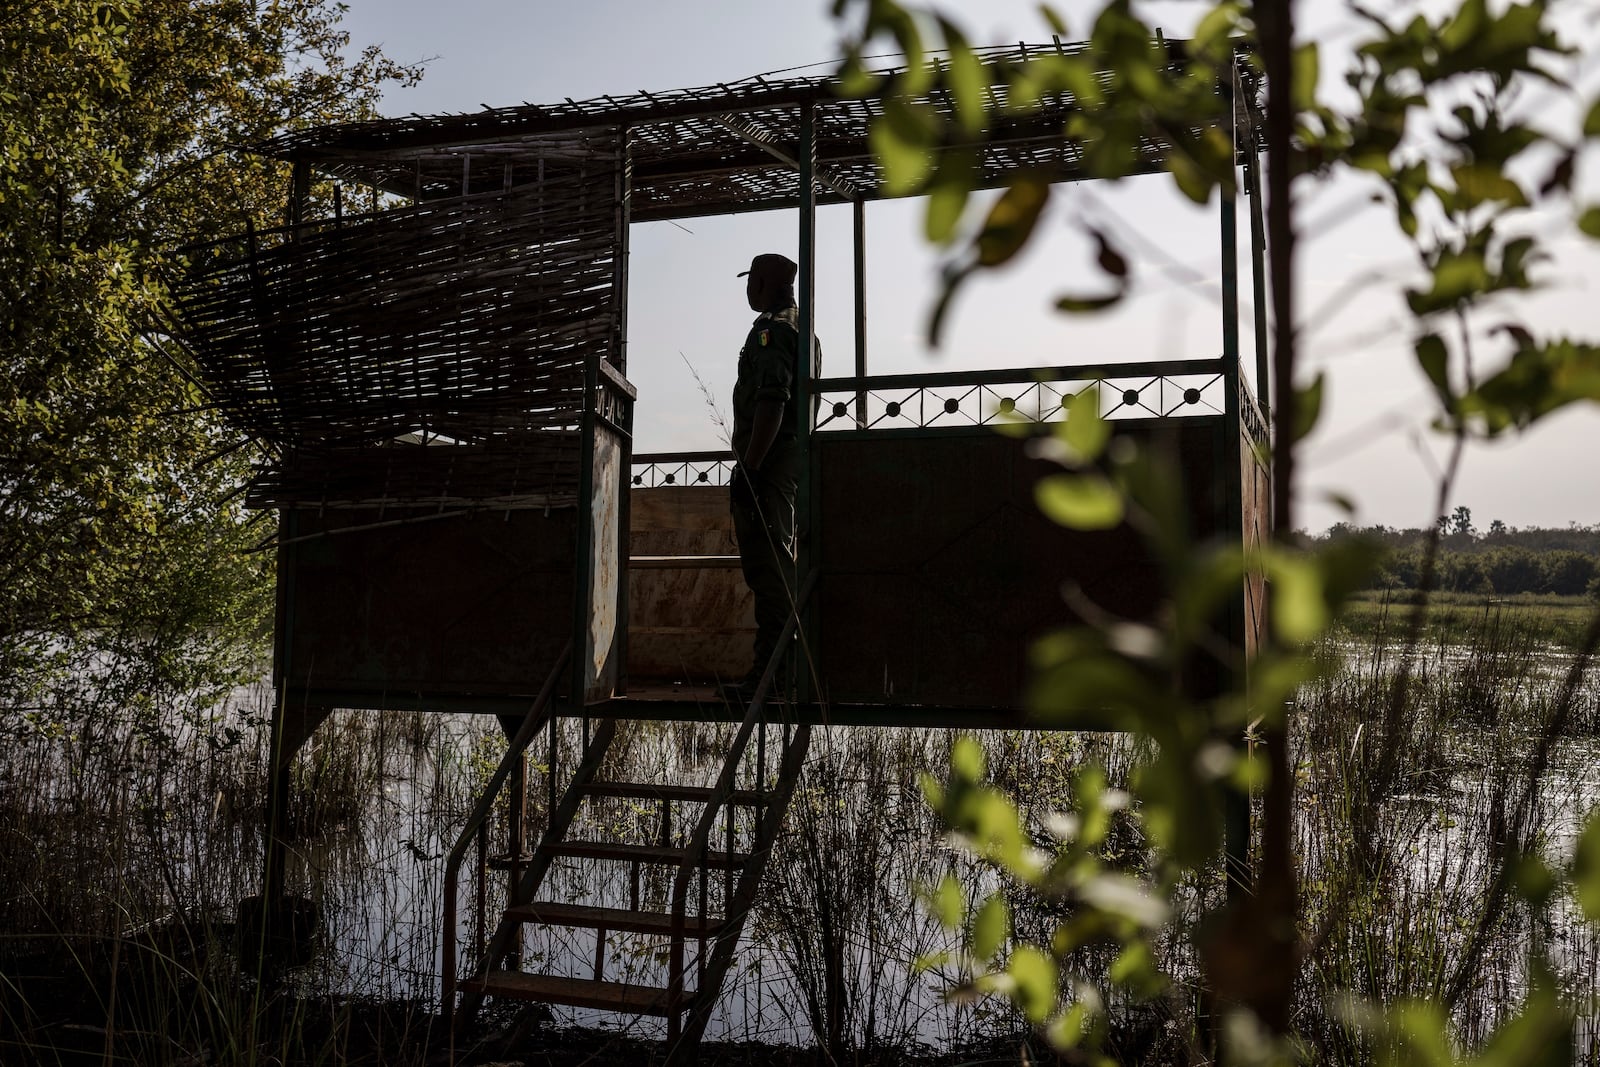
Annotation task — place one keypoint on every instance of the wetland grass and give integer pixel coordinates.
(1427, 779)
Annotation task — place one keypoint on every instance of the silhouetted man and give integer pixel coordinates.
(765, 422)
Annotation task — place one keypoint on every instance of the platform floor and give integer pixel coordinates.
(662, 700)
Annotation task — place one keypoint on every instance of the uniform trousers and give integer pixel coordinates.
(766, 549)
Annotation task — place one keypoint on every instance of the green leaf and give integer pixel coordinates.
(1110, 149)
(1299, 610)
(1211, 33)
(966, 760)
(1082, 80)
(951, 281)
(1434, 359)
(1307, 69)
(949, 902)
(1456, 278)
(1586, 869)
(1192, 180)
(1079, 501)
(856, 79)
(991, 927)
(1011, 220)
(1469, 23)
(903, 141)
(1080, 305)
(1589, 221)
(1541, 378)
(1034, 973)
(993, 829)
(1135, 968)
(1535, 881)
(1068, 1031)
(1106, 256)
(1422, 1033)
(1053, 19)
(1478, 184)
(947, 196)
(1308, 406)
(1084, 431)
(1591, 121)
(1539, 1035)
(969, 84)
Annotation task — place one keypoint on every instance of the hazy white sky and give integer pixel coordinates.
(687, 311)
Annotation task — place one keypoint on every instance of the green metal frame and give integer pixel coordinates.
(807, 533)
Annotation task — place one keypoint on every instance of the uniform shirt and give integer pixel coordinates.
(767, 366)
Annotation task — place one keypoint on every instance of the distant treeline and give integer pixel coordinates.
(1501, 562)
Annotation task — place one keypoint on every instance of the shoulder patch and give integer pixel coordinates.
(765, 334)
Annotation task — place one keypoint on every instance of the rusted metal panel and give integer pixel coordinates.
(434, 610)
(940, 572)
(691, 617)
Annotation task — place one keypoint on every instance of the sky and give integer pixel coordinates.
(687, 315)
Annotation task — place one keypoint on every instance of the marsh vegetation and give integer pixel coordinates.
(1422, 793)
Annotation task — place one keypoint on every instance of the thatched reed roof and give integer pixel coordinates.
(712, 150)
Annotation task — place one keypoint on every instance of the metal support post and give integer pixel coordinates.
(624, 193)
(1236, 813)
(858, 212)
(807, 532)
(1258, 278)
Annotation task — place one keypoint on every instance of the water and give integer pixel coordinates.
(125, 830)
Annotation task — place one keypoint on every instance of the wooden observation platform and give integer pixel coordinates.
(464, 524)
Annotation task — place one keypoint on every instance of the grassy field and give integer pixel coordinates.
(1556, 620)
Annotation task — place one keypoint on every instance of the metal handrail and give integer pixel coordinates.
(716, 455)
(538, 715)
(694, 853)
(1161, 369)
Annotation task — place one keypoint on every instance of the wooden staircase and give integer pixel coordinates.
(714, 882)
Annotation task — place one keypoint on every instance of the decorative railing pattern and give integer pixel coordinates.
(654, 469)
(980, 398)
(1173, 390)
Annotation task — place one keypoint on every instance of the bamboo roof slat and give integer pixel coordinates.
(715, 149)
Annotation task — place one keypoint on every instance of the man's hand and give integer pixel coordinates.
(745, 488)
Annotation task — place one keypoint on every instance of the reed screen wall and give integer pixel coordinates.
(435, 352)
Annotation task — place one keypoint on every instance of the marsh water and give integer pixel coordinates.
(839, 931)
(860, 844)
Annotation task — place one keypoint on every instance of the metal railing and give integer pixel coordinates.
(1178, 389)
(653, 469)
(695, 853)
(538, 715)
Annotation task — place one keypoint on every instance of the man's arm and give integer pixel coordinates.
(764, 427)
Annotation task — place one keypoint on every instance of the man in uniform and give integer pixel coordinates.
(765, 421)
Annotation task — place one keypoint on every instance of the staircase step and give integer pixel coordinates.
(620, 919)
(575, 992)
(668, 855)
(698, 794)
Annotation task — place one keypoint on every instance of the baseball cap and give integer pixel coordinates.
(774, 265)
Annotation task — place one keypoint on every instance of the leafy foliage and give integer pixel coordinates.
(121, 539)
(1432, 120)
